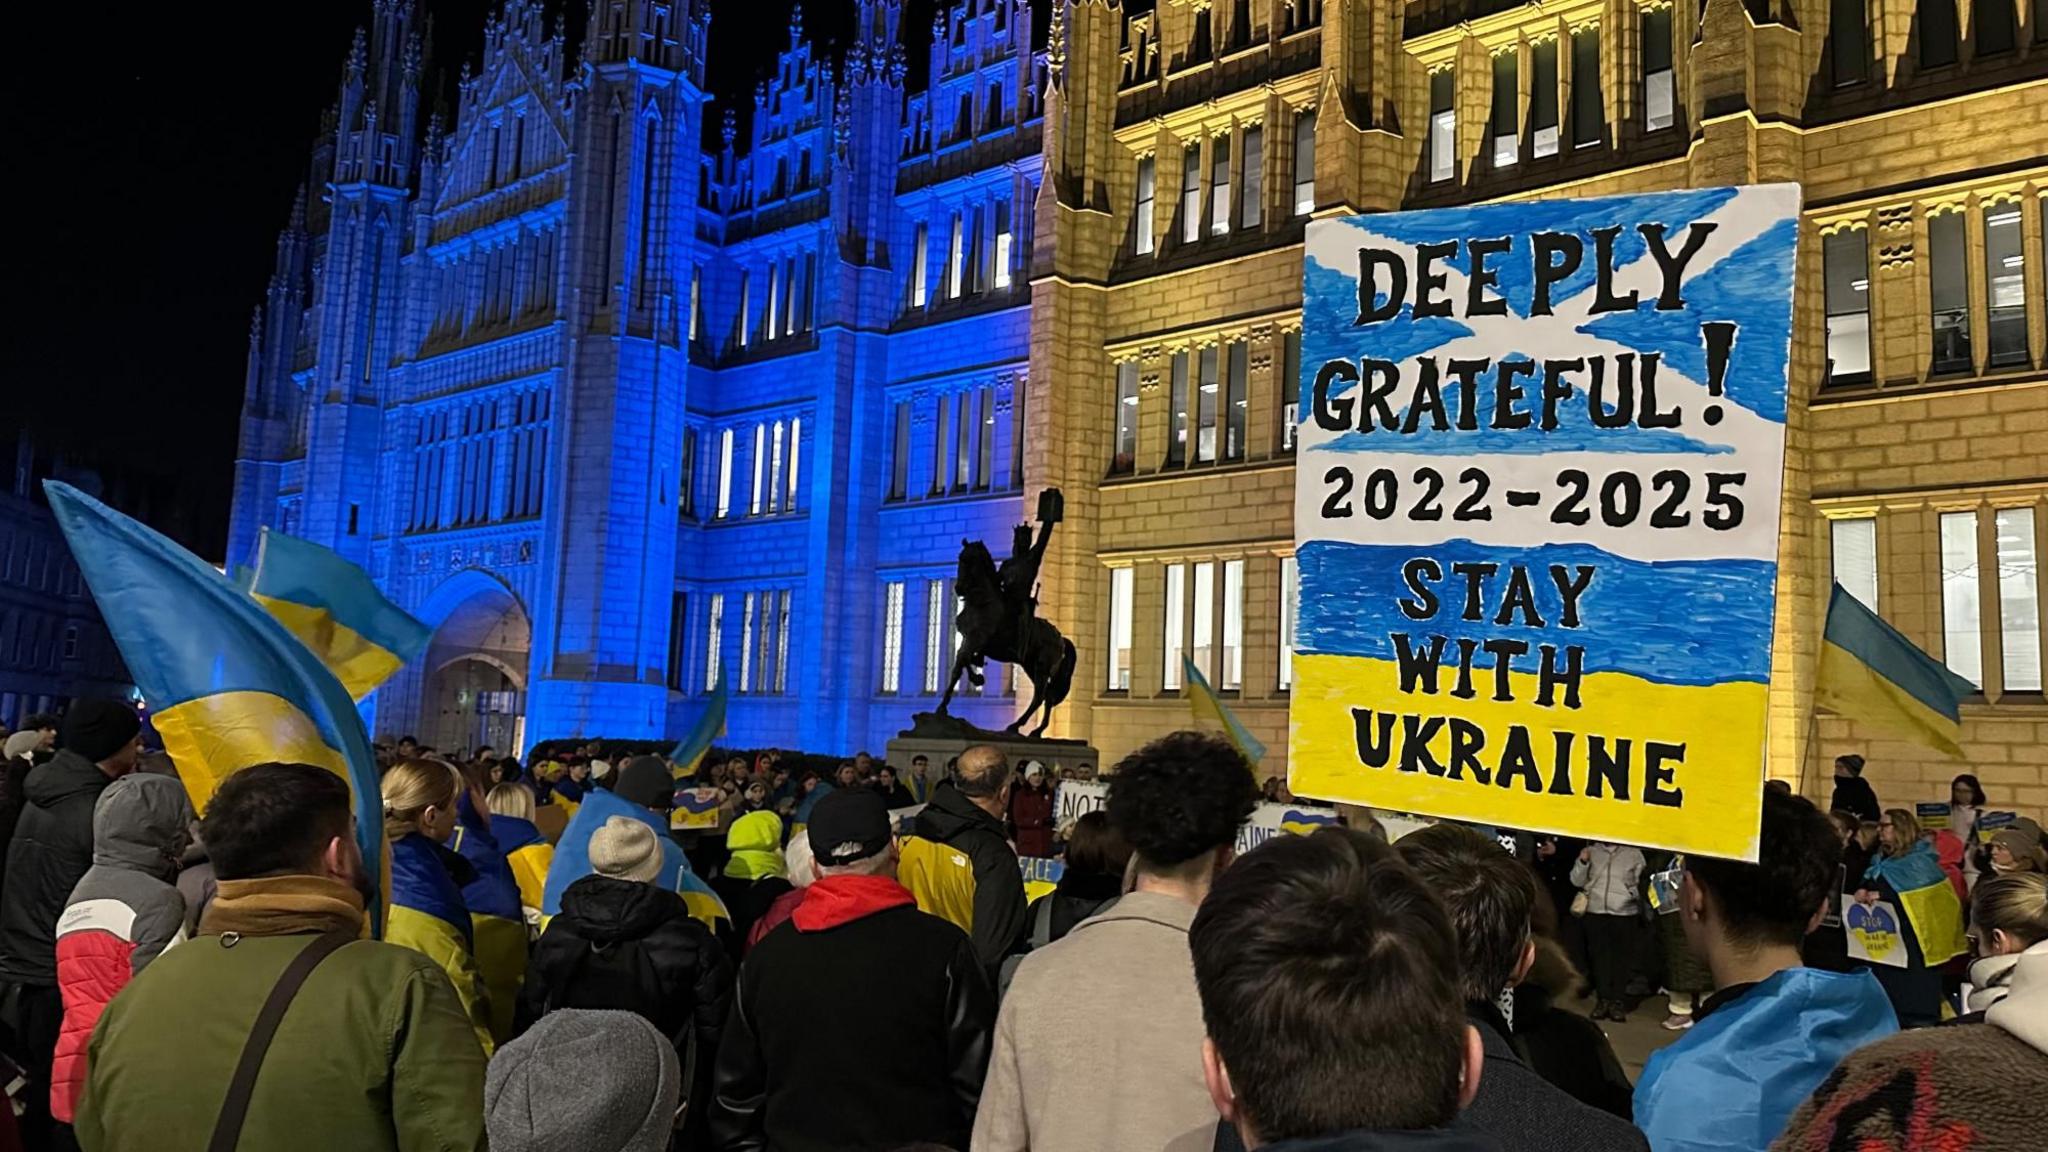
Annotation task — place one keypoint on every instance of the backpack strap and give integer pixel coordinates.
(227, 1128)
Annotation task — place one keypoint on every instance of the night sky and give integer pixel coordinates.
(156, 148)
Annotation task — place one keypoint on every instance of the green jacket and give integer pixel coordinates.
(375, 1053)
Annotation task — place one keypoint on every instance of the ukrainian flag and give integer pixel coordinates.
(226, 685)
(1927, 900)
(1208, 706)
(688, 754)
(572, 858)
(1870, 673)
(334, 609)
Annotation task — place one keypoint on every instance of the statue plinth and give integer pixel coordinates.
(941, 738)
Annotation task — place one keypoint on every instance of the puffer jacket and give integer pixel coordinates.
(123, 913)
(959, 865)
(51, 850)
(1611, 875)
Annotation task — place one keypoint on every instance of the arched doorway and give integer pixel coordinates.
(475, 687)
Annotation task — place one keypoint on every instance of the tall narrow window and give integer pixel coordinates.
(1201, 44)
(1289, 387)
(892, 638)
(1125, 454)
(1848, 41)
(1855, 553)
(940, 443)
(984, 438)
(724, 473)
(678, 638)
(1659, 91)
(1305, 162)
(1191, 194)
(760, 462)
(1507, 96)
(963, 448)
(1949, 292)
(1020, 394)
(765, 658)
(934, 634)
(686, 484)
(1174, 624)
(1003, 244)
(1231, 678)
(920, 263)
(899, 463)
(746, 287)
(1543, 98)
(1289, 608)
(1141, 223)
(1234, 402)
(1443, 126)
(1177, 411)
(747, 643)
(2005, 273)
(1846, 268)
(1205, 408)
(1938, 32)
(1219, 186)
(696, 300)
(1202, 639)
(1120, 583)
(796, 436)
(956, 260)
(1961, 620)
(782, 641)
(2019, 599)
(771, 317)
(1252, 204)
(714, 636)
(1589, 113)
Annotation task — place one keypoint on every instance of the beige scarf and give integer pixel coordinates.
(284, 906)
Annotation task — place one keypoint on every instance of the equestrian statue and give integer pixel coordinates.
(998, 618)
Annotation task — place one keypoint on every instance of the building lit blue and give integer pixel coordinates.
(619, 414)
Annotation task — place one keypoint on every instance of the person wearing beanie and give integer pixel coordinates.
(628, 1084)
(622, 942)
(642, 789)
(97, 744)
(814, 1057)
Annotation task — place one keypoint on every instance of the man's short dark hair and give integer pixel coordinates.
(274, 819)
(1773, 900)
(1487, 893)
(1180, 796)
(1328, 977)
(40, 722)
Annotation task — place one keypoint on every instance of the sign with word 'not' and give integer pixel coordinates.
(1540, 463)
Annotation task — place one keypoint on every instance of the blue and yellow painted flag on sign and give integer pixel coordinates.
(1869, 672)
(334, 609)
(227, 686)
(688, 754)
(1209, 706)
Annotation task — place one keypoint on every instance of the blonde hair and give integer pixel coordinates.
(1905, 828)
(511, 799)
(412, 787)
(2014, 902)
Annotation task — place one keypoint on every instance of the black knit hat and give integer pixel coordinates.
(96, 729)
(848, 825)
(646, 781)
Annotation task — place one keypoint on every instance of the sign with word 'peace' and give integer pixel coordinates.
(1541, 457)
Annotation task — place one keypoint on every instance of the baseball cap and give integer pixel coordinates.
(848, 825)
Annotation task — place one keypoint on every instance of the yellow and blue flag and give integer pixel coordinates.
(1927, 900)
(1871, 673)
(334, 609)
(227, 686)
(688, 754)
(1208, 706)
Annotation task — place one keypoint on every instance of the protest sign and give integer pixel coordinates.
(1270, 820)
(1931, 813)
(1539, 470)
(1873, 932)
(696, 809)
(1075, 798)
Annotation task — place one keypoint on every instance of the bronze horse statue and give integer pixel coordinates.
(995, 627)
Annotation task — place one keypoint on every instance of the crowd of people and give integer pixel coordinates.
(850, 961)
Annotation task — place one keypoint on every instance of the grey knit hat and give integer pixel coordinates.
(582, 1080)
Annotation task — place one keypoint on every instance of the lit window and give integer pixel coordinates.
(1252, 206)
(1234, 407)
(1855, 553)
(919, 257)
(747, 644)
(714, 633)
(1191, 194)
(796, 434)
(760, 462)
(1219, 186)
(940, 441)
(724, 473)
(746, 287)
(899, 464)
(1846, 260)
(1949, 292)
(892, 637)
(1305, 163)
(1443, 126)
(1120, 629)
(782, 641)
(1506, 127)
(775, 467)
(1177, 397)
(1543, 98)
(1202, 643)
(2019, 599)
(1233, 626)
(1175, 621)
(1961, 619)
(1141, 239)
(955, 260)
(2006, 274)
(696, 300)
(1003, 243)
(1289, 607)
(1126, 452)
(1205, 408)
(934, 634)
(1659, 92)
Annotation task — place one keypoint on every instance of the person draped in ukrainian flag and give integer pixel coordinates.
(644, 791)
(526, 849)
(1907, 873)
(428, 913)
(497, 922)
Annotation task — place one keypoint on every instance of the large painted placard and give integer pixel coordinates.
(1540, 463)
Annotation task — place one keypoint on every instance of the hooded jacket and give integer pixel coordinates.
(123, 913)
(959, 865)
(496, 917)
(755, 875)
(428, 916)
(1991, 977)
(860, 1025)
(51, 850)
(1730, 1083)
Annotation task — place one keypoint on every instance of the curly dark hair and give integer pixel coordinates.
(1180, 796)
(1774, 900)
